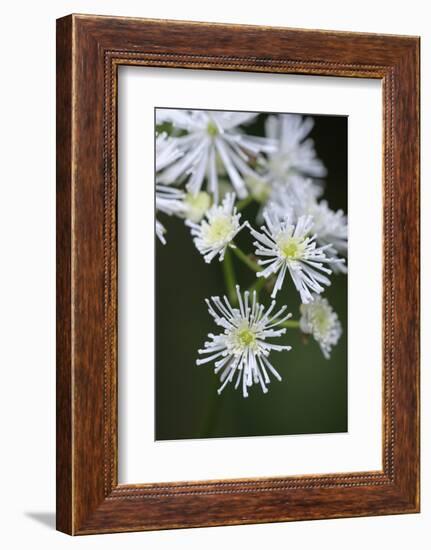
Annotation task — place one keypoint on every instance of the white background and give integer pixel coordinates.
(141, 458)
(27, 123)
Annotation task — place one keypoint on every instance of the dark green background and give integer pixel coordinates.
(312, 396)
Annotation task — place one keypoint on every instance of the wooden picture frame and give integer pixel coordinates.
(89, 51)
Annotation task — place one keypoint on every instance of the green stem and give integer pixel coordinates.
(240, 205)
(229, 275)
(290, 323)
(258, 285)
(211, 418)
(246, 259)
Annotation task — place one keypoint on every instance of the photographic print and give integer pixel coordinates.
(251, 273)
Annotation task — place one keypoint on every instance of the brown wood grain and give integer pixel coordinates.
(64, 495)
(89, 51)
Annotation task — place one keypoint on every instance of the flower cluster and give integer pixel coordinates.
(210, 167)
(319, 319)
(217, 230)
(241, 350)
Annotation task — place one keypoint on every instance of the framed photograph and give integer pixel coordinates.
(237, 274)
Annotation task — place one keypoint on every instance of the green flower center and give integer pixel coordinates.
(197, 205)
(201, 200)
(321, 320)
(291, 247)
(246, 337)
(212, 129)
(243, 338)
(219, 229)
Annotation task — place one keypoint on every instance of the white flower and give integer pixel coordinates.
(295, 197)
(166, 151)
(290, 197)
(241, 350)
(178, 117)
(216, 231)
(160, 231)
(170, 201)
(300, 198)
(289, 247)
(214, 136)
(330, 227)
(319, 319)
(295, 154)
